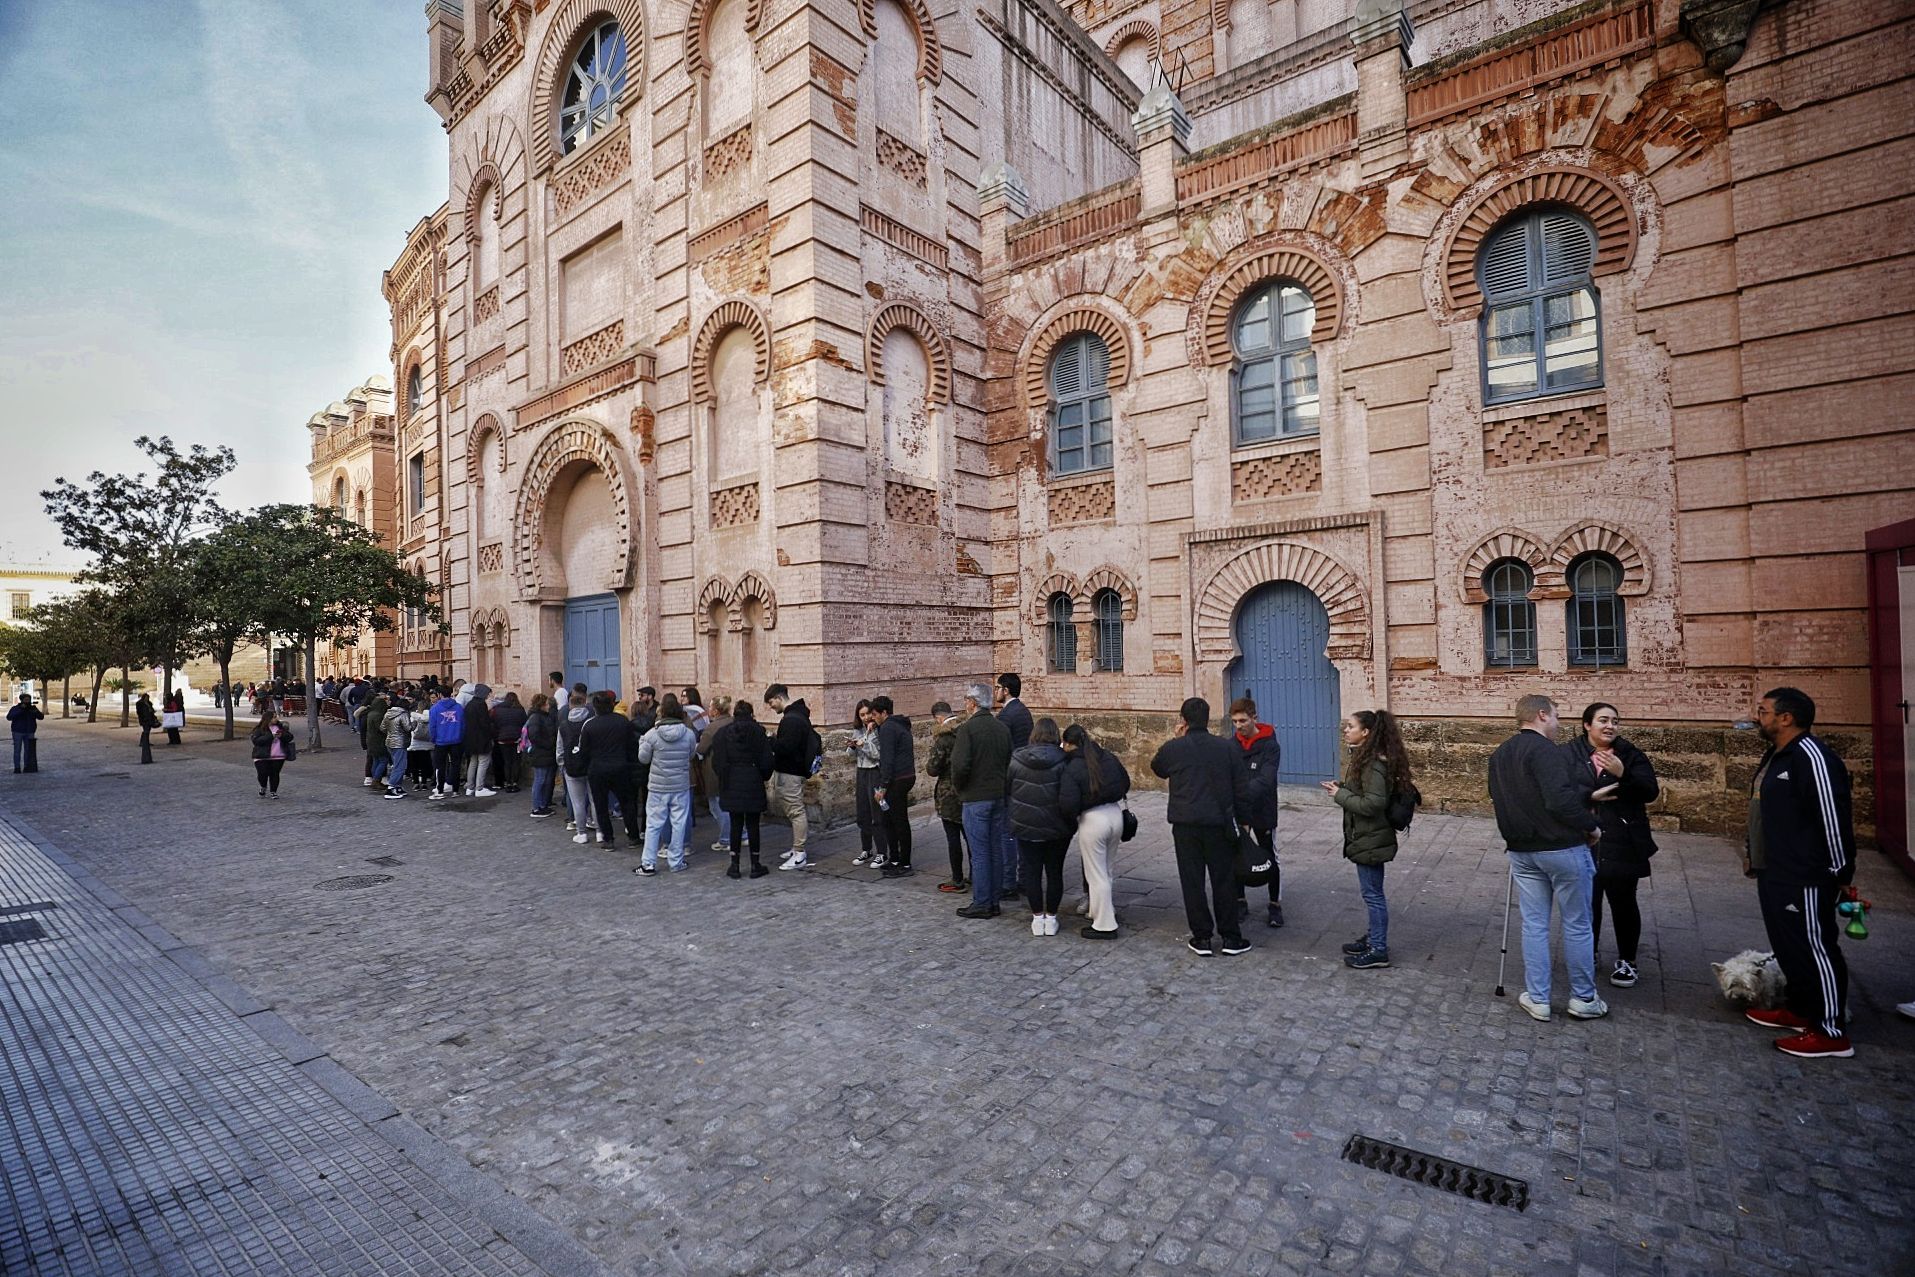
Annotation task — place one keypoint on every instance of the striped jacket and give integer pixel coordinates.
(1808, 835)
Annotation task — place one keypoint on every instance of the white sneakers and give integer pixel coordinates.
(795, 860)
(1906, 1008)
(1037, 924)
(1593, 1009)
(1537, 1010)
(1043, 924)
(863, 858)
(484, 793)
(367, 781)
(581, 838)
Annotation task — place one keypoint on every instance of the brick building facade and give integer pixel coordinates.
(1346, 354)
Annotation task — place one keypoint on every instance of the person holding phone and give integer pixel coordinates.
(1622, 783)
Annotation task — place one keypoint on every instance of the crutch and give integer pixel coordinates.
(1509, 895)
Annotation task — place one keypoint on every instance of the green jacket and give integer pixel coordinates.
(981, 759)
(944, 793)
(1368, 838)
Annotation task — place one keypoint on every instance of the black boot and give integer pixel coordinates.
(731, 870)
(757, 869)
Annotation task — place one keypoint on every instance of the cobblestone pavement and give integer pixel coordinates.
(826, 1073)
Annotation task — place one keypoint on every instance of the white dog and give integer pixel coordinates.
(1751, 978)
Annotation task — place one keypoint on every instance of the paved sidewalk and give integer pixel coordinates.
(824, 1073)
(146, 1127)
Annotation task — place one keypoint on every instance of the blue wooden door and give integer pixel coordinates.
(591, 642)
(1282, 631)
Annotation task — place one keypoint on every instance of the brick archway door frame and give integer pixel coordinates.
(570, 446)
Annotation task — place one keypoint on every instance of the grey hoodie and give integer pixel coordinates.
(667, 748)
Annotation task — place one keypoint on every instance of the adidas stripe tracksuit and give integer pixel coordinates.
(1807, 856)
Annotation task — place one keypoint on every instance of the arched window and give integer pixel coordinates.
(485, 245)
(1541, 329)
(1509, 618)
(1107, 606)
(728, 89)
(895, 57)
(1273, 387)
(1080, 412)
(909, 449)
(1060, 635)
(1597, 634)
(359, 510)
(415, 390)
(593, 85)
(339, 495)
(1133, 59)
(734, 417)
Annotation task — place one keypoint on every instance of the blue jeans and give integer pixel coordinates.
(987, 827)
(662, 810)
(542, 787)
(1563, 877)
(724, 820)
(20, 750)
(1369, 880)
(390, 767)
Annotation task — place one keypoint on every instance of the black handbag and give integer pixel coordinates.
(1254, 864)
(1128, 819)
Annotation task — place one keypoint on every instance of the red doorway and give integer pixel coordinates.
(1891, 638)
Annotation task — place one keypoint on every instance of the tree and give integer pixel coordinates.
(140, 532)
(330, 578)
(43, 651)
(234, 570)
(93, 624)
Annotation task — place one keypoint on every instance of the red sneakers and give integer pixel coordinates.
(1780, 1018)
(1814, 1045)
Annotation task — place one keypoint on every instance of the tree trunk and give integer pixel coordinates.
(66, 696)
(126, 695)
(166, 683)
(312, 698)
(226, 688)
(93, 705)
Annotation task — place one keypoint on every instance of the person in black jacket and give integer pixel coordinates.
(541, 753)
(143, 710)
(1622, 784)
(1801, 851)
(741, 756)
(1209, 795)
(795, 754)
(606, 748)
(1263, 755)
(24, 719)
(273, 748)
(897, 774)
(1038, 822)
(1543, 812)
(1089, 793)
(478, 736)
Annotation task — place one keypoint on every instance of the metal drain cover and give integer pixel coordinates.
(21, 931)
(353, 882)
(38, 906)
(1437, 1172)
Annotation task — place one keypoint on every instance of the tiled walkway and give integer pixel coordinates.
(145, 1127)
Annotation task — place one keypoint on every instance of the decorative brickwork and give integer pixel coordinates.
(1337, 586)
(930, 49)
(603, 165)
(1549, 436)
(728, 154)
(475, 447)
(570, 446)
(731, 507)
(898, 235)
(1136, 28)
(485, 197)
(1591, 194)
(908, 503)
(589, 352)
(605, 381)
(1083, 502)
(1504, 543)
(485, 365)
(1095, 217)
(1080, 318)
(901, 158)
(754, 588)
(1261, 478)
(492, 557)
(1576, 47)
(736, 313)
(1210, 177)
(1296, 262)
(909, 317)
(726, 233)
(487, 305)
(561, 36)
(698, 33)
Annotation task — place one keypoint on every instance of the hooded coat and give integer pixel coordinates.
(938, 763)
(1626, 844)
(479, 734)
(542, 737)
(1262, 754)
(667, 750)
(793, 748)
(448, 722)
(741, 759)
(1037, 815)
(1368, 836)
(571, 723)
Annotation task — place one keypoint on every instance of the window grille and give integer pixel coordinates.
(1541, 326)
(593, 85)
(1063, 635)
(1107, 606)
(1598, 634)
(1080, 405)
(1273, 387)
(1509, 618)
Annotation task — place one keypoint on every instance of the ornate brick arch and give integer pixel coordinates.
(1338, 588)
(498, 160)
(1217, 297)
(918, 324)
(715, 590)
(1054, 584)
(574, 442)
(1504, 543)
(698, 33)
(930, 49)
(569, 20)
(475, 445)
(483, 183)
(1130, 30)
(1109, 578)
(1591, 194)
(1220, 14)
(1591, 537)
(1081, 315)
(752, 586)
(736, 313)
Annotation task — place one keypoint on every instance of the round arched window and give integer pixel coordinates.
(593, 86)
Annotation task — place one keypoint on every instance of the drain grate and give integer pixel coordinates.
(388, 861)
(21, 931)
(353, 882)
(38, 906)
(1437, 1172)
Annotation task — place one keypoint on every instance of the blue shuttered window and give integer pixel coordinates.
(1061, 635)
(1107, 607)
(1080, 405)
(1273, 386)
(1541, 326)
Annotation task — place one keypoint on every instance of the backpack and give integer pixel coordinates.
(1403, 805)
(814, 753)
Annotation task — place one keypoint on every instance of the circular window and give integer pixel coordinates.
(593, 87)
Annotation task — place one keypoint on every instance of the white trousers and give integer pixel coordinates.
(1099, 830)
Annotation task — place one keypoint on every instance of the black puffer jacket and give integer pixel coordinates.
(741, 755)
(1209, 781)
(795, 745)
(479, 735)
(1626, 843)
(605, 743)
(542, 734)
(1263, 756)
(1075, 793)
(897, 751)
(1037, 772)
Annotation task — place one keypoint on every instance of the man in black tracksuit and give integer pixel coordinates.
(897, 773)
(1801, 851)
(1209, 794)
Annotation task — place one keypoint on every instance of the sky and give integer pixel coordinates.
(197, 198)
